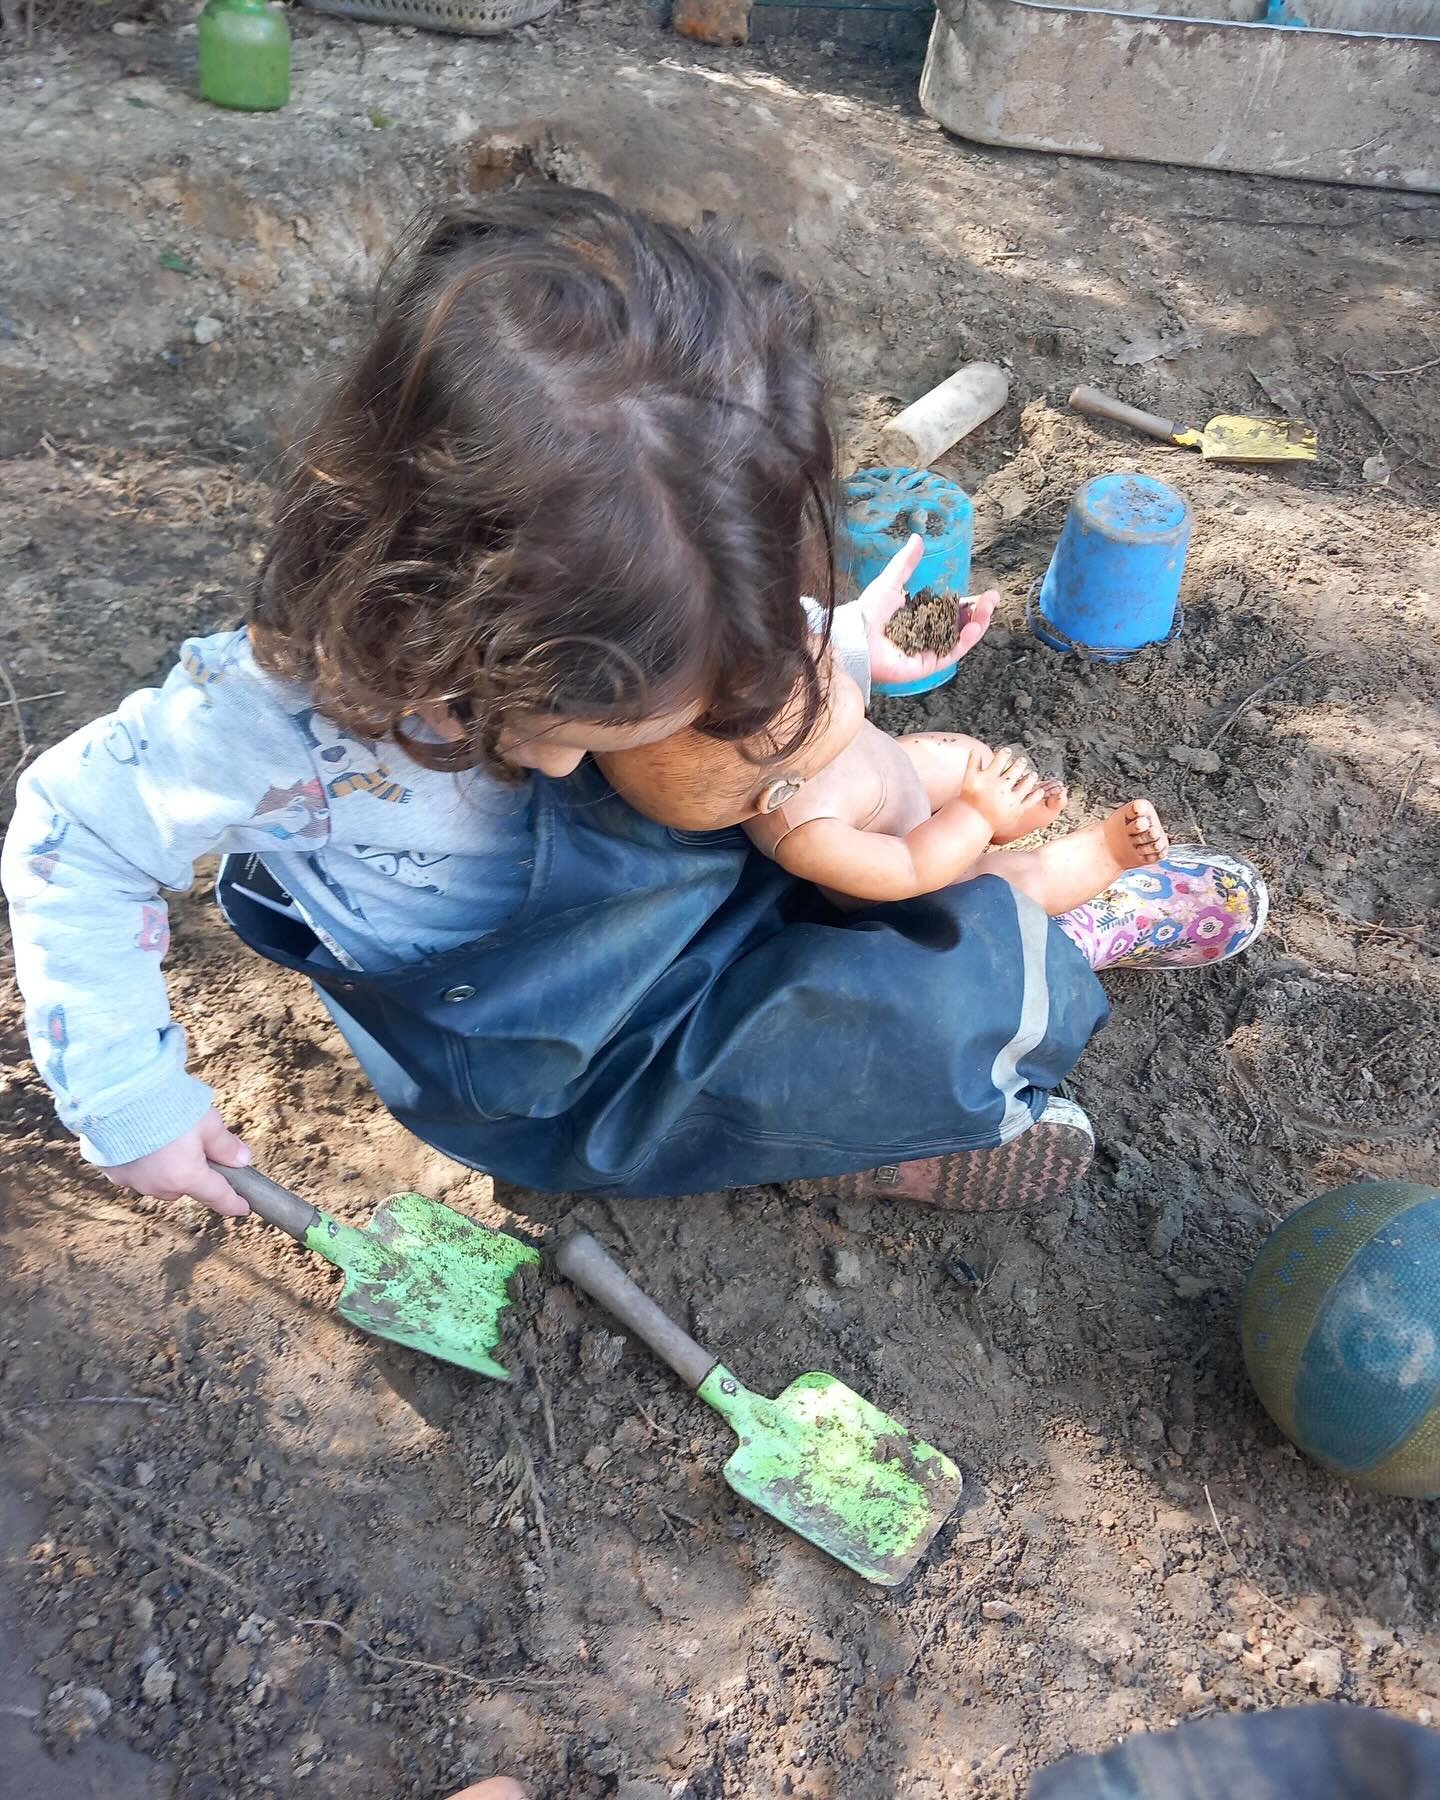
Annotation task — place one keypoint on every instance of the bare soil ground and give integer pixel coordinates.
(292, 1560)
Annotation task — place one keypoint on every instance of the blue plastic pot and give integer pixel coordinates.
(1113, 585)
(882, 508)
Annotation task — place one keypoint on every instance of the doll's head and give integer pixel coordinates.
(700, 783)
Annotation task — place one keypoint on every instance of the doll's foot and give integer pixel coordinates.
(1044, 810)
(1035, 1169)
(1192, 906)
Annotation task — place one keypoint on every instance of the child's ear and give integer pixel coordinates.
(776, 794)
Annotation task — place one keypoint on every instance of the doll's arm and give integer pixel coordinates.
(871, 865)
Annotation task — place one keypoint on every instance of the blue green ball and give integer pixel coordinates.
(1340, 1321)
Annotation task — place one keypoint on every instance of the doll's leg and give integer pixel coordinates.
(1071, 870)
(943, 759)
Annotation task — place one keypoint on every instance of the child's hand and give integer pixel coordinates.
(184, 1168)
(1001, 789)
(889, 664)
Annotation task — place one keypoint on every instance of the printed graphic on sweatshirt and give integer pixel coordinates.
(295, 812)
(205, 666)
(45, 856)
(154, 930)
(349, 766)
(122, 745)
(411, 868)
(57, 1038)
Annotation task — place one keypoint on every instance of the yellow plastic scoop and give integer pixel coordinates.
(1230, 437)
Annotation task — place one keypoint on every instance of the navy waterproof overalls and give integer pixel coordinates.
(671, 1013)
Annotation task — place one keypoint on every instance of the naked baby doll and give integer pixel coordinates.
(868, 817)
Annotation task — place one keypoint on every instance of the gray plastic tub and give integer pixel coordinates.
(1353, 97)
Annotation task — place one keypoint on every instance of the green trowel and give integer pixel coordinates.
(820, 1459)
(420, 1274)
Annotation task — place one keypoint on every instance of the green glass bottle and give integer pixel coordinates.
(244, 55)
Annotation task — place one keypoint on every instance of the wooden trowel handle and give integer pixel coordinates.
(1106, 406)
(581, 1260)
(273, 1202)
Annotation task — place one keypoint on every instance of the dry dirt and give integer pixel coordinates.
(291, 1560)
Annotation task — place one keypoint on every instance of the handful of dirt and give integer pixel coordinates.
(928, 621)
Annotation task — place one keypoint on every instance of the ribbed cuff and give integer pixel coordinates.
(850, 639)
(148, 1123)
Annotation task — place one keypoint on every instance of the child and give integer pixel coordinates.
(566, 501)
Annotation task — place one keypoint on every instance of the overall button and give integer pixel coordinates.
(463, 992)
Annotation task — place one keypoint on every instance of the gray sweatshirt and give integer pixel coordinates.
(386, 860)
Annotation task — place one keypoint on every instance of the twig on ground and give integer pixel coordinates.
(1269, 1599)
(1391, 374)
(675, 1537)
(986, 1578)
(1410, 778)
(650, 1418)
(99, 1400)
(1264, 688)
(29, 699)
(1410, 934)
(1358, 1133)
(415, 1662)
(1375, 419)
(528, 1485)
(12, 700)
(547, 1412)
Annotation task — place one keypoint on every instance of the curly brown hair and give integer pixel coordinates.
(583, 468)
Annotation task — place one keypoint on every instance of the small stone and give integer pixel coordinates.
(311, 1747)
(252, 1629)
(823, 1649)
(1199, 762)
(631, 1434)
(142, 1611)
(999, 1609)
(600, 1353)
(846, 1269)
(292, 1409)
(233, 1669)
(75, 1712)
(158, 1685)
(596, 1457)
(1021, 701)
(1149, 1426)
(1181, 1438)
(1190, 1287)
(1165, 1229)
(144, 1474)
(1321, 1671)
(206, 330)
(1192, 1693)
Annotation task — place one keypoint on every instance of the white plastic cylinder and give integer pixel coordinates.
(947, 413)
